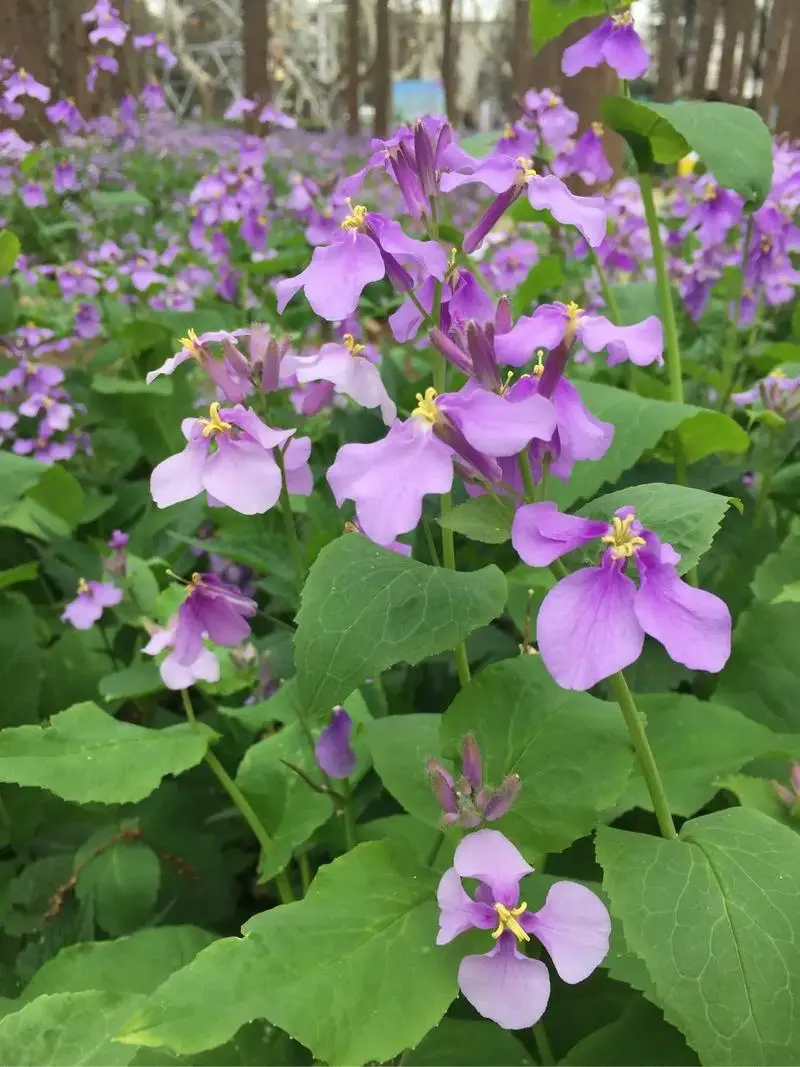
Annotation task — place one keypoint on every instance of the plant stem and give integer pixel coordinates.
(304, 867)
(295, 550)
(241, 802)
(644, 754)
(524, 460)
(543, 1048)
(426, 529)
(349, 819)
(434, 852)
(732, 348)
(608, 294)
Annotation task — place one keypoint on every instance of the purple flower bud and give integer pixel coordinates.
(442, 785)
(502, 799)
(426, 168)
(332, 751)
(471, 763)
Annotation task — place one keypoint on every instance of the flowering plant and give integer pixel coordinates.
(401, 664)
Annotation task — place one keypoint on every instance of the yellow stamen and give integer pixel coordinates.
(83, 586)
(427, 406)
(709, 193)
(527, 169)
(538, 370)
(766, 244)
(624, 18)
(509, 133)
(507, 920)
(355, 220)
(777, 373)
(213, 424)
(574, 312)
(351, 344)
(191, 342)
(623, 542)
(598, 129)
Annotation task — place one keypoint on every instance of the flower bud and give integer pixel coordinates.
(332, 751)
(442, 785)
(503, 798)
(471, 763)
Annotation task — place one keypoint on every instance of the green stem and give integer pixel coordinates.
(295, 550)
(304, 867)
(426, 529)
(730, 358)
(241, 802)
(435, 847)
(543, 1047)
(528, 483)
(349, 818)
(644, 754)
(608, 294)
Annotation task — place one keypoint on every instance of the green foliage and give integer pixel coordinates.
(484, 518)
(549, 18)
(9, 251)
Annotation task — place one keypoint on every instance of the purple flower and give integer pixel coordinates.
(615, 42)
(238, 108)
(593, 622)
(32, 194)
(270, 113)
(551, 324)
(118, 540)
(462, 299)
(87, 321)
(776, 393)
(790, 796)
(213, 609)
(587, 158)
(505, 985)
(153, 96)
(715, 214)
(174, 674)
(21, 83)
(332, 750)
(468, 801)
(507, 178)
(231, 375)
(66, 112)
(229, 455)
(109, 27)
(87, 607)
(368, 247)
(350, 374)
(96, 64)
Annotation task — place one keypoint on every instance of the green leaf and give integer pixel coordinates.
(636, 301)
(639, 1037)
(695, 743)
(651, 137)
(480, 144)
(544, 276)
(483, 518)
(779, 570)
(468, 1043)
(734, 143)
(714, 915)
(120, 885)
(9, 251)
(139, 680)
(549, 18)
(118, 198)
(20, 661)
(570, 749)
(762, 677)
(86, 756)
(365, 608)
(25, 572)
(639, 424)
(351, 971)
(131, 386)
(8, 310)
(686, 518)
(68, 1028)
(18, 474)
(135, 964)
(53, 507)
(758, 793)
(400, 745)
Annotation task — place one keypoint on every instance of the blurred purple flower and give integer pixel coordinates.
(87, 607)
(615, 42)
(174, 674)
(214, 609)
(332, 750)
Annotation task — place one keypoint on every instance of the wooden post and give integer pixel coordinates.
(786, 96)
(520, 49)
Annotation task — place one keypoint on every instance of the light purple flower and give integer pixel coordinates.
(118, 540)
(87, 607)
(593, 622)
(21, 83)
(551, 324)
(615, 42)
(109, 27)
(87, 321)
(462, 299)
(715, 214)
(508, 177)
(174, 674)
(505, 985)
(229, 455)
(32, 194)
(239, 108)
(270, 113)
(587, 158)
(775, 393)
(214, 609)
(368, 247)
(96, 64)
(332, 750)
(66, 112)
(350, 373)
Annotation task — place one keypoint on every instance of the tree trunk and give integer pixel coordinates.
(520, 50)
(448, 60)
(255, 46)
(353, 57)
(73, 48)
(727, 77)
(25, 38)
(707, 22)
(751, 23)
(787, 100)
(382, 76)
(667, 52)
(777, 29)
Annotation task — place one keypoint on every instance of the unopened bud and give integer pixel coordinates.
(503, 798)
(442, 785)
(471, 762)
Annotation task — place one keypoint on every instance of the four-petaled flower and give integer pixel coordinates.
(615, 42)
(505, 985)
(87, 607)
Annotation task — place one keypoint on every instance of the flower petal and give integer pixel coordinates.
(587, 628)
(243, 476)
(540, 533)
(642, 343)
(580, 434)
(545, 328)
(458, 911)
(587, 52)
(586, 213)
(491, 858)
(332, 750)
(574, 926)
(181, 476)
(625, 53)
(335, 277)
(505, 986)
(497, 426)
(693, 625)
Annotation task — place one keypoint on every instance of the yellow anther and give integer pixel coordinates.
(352, 345)
(538, 370)
(624, 18)
(355, 220)
(427, 406)
(83, 586)
(710, 192)
(574, 311)
(507, 920)
(509, 133)
(527, 169)
(766, 243)
(686, 166)
(624, 543)
(778, 373)
(598, 129)
(191, 342)
(213, 424)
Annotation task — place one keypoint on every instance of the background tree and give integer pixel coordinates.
(255, 44)
(382, 71)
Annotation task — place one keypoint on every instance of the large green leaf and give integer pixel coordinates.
(400, 745)
(86, 756)
(9, 251)
(351, 971)
(20, 661)
(779, 570)
(468, 1043)
(549, 18)
(72, 1029)
(686, 518)
(366, 608)
(714, 915)
(570, 749)
(760, 794)
(483, 518)
(762, 677)
(135, 964)
(120, 886)
(638, 1038)
(639, 424)
(18, 474)
(695, 744)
